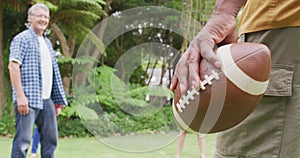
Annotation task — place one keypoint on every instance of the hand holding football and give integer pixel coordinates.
(227, 95)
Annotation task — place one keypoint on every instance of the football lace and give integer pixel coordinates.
(190, 95)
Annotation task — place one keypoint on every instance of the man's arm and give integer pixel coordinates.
(15, 77)
(220, 29)
(228, 6)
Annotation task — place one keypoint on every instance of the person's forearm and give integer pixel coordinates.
(219, 30)
(231, 7)
(15, 77)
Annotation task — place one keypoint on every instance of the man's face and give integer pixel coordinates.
(39, 20)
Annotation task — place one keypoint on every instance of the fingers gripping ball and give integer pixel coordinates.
(227, 95)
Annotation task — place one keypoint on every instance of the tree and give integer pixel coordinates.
(2, 86)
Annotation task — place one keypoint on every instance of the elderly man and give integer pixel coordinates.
(36, 84)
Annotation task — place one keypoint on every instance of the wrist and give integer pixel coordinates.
(59, 106)
(20, 94)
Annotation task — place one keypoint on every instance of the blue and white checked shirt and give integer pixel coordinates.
(25, 49)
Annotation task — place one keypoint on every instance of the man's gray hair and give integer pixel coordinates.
(33, 8)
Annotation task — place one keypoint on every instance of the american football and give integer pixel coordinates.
(227, 95)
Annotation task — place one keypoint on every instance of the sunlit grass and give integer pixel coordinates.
(95, 148)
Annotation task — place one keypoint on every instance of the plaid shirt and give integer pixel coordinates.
(25, 49)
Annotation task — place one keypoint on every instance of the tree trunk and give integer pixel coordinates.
(152, 72)
(2, 81)
(63, 41)
(67, 50)
(72, 44)
(81, 78)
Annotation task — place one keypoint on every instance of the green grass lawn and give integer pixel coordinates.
(114, 147)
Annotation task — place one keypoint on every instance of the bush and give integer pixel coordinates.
(103, 126)
(161, 121)
(120, 123)
(67, 127)
(71, 127)
(7, 125)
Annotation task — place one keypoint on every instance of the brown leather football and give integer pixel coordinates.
(227, 95)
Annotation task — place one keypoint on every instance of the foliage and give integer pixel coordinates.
(7, 124)
(12, 27)
(7, 82)
(105, 113)
(154, 28)
(69, 111)
(127, 4)
(121, 123)
(81, 61)
(103, 126)
(76, 17)
(71, 126)
(160, 121)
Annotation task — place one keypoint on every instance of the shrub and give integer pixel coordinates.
(103, 126)
(7, 125)
(71, 126)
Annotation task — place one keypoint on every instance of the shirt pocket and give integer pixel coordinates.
(281, 80)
